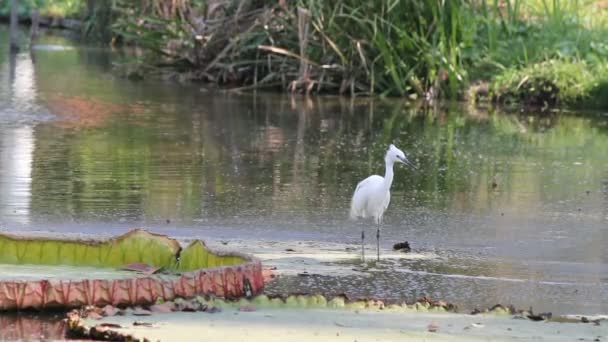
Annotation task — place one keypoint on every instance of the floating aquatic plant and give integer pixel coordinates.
(196, 270)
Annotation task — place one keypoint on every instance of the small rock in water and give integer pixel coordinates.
(433, 327)
(110, 310)
(247, 308)
(143, 324)
(213, 309)
(141, 312)
(402, 247)
(94, 315)
(163, 308)
(474, 325)
(540, 317)
(189, 306)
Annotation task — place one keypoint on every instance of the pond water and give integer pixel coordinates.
(513, 206)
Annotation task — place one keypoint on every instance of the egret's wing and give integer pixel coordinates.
(368, 181)
(361, 184)
(360, 196)
(355, 207)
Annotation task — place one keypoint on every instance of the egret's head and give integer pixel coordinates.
(394, 154)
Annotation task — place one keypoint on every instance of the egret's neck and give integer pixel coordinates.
(388, 175)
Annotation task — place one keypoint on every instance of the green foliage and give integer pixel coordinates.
(366, 47)
(59, 8)
(395, 47)
(536, 31)
(392, 48)
(97, 20)
(549, 83)
(543, 52)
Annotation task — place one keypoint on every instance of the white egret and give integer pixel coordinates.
(372, 195)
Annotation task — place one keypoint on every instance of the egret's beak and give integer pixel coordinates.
(407, 162)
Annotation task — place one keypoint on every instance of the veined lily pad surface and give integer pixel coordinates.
(134, 246)
(42, 272)
(62, 272)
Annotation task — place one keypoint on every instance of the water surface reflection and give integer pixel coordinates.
(30, 327)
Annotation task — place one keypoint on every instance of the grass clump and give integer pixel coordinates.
(549, 83)
(544, 53)
(349, 46)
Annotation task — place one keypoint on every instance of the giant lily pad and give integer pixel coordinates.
(42, 272)
(197, 255)
(134, 246)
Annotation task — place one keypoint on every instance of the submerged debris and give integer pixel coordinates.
(142, 324)
(543, 316)
(76, 329)
(165, 307)
(496, 309)
(248, 308)
(402, 247)
(433, 327)
(474, 325)
(141, 312)
(110, 310)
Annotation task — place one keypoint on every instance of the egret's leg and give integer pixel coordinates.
(378, 241)
(363, 244)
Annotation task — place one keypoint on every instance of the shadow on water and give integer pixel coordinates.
(496, 195)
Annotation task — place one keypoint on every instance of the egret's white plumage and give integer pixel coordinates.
(372, 195)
